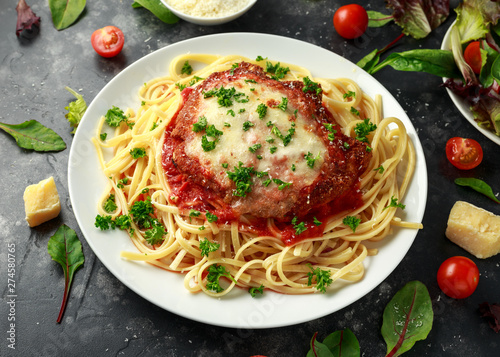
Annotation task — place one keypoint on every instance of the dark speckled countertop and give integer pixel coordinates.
(105, 318)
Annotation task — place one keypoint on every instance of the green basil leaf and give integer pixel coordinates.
(378, 19)
(34, 136)
(438, 62)
(65, 12)
(478, 185)
(369, 61)
(65, 248)
(407, 318)
(343, 344)
(158, 9)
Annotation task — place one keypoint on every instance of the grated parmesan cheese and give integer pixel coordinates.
(208, 8)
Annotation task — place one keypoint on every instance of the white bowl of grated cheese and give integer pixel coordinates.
(208, 12)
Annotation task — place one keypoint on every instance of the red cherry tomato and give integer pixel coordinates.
(108, 41)
(350, 21)
(472, 56)
(458, 277)
(464, 154)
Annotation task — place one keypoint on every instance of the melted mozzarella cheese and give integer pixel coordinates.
(273, 156)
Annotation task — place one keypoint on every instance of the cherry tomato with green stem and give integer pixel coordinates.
(108, 41)
(350, 21)
(458, 277)
(472, 56)
(463, 153)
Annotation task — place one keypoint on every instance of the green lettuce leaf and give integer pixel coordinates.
(419, 17)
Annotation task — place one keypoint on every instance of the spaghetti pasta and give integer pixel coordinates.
(249, 259)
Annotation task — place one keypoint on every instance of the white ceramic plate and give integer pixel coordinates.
(459, 102)
(165, 289)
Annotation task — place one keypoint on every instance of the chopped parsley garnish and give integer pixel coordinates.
(143, 103)
(103, 222)
(270, 139)
(233, 67)
(141, 211)
(215, 272)
(259, 157)
(227, 125)
(317, 222)
(277, 71)
(114, 117)
(380, 169)
(269, 123)
(261, 110)
(260, 58)
(225, 96)
(194, 213)
(225, 165)
(310, 86)
(207, 247)
(154, 126)
(138, 153)
(186, 68)
(206, 144)
(286, 138)
(261, 174)
(200, 125)
(346, 145)
(242, 177)
(311, 159)
(155, 234)
(103, 136)
(293, 167)
(242, 110)
(247, 125)
(254, 148)
(254, 291)
(194, 80)
(122, 182)
(322, 278)
(231, 112)
(354, 111)
(202, 228)
(394, 203)
(212, 131)
(211, 217)
(329, 127)
(110, 205)
(351, 222)
(181, 86)
(349, 95)
(284, 104)
(124, 222)
(250, 81)
(299, 227)
(363, 129)
(267, 182)
(282, 185)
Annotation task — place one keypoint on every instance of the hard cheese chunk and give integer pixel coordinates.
(41, 202)
(474, 229)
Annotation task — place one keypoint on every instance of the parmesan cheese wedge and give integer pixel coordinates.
(474, 229)
(41, 202)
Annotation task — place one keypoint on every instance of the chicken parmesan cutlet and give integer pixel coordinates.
(243, 143)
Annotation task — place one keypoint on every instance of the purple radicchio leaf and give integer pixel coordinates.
(25, 17)
(419, 17)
